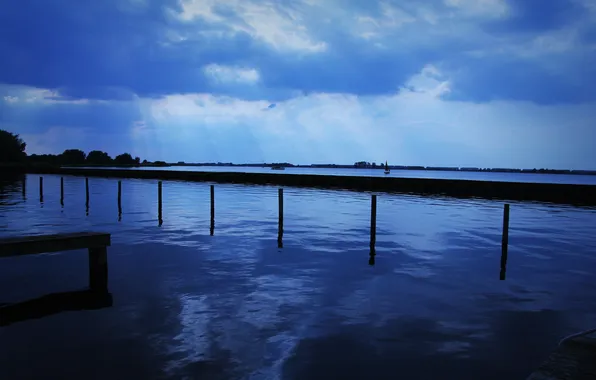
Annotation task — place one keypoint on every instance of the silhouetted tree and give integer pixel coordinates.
(124, 159)
(97, 157)
(72, 157)
(137, 161)
(12, 147)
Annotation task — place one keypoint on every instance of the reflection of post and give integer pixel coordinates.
(373, 223)
(62, 191)
(98, 269)
(212, 210)
(87, 192)
(159, 214)
(280, 226)
(41, 189)
(504, 241)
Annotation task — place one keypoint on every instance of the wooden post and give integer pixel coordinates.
(25, 187)
(159, 203)
(87, 191)
(504, 241)
(280, 226)
(373, 223)
(98, 269)
(41, 189)
(62, 191)
(119, 197)
(212, 229)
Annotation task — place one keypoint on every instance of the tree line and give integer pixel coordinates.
(12, 150)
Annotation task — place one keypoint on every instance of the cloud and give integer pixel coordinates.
(415, 125)
(151, 49)
(412, 126)
(489, 8)
(34, 109)
(278, 25)
(389, 19)
(538, 16)
(437, 82)
(39, 96)
(11, 99)
(227, 74)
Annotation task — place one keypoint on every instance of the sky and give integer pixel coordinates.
(483, 83)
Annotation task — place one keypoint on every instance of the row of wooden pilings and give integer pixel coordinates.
(280, 227)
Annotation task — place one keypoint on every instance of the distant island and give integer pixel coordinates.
(12, 154)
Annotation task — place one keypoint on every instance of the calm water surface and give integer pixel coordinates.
(573, 179)
(235, 306)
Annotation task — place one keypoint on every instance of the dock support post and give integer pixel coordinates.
(25, 186)
(373, 224)
(62, 191)
(159, 203)
(212, 228)
(119, 200)
(504, 241)
(280, 226)
(41, 189)
(87, 192)
(98, 269)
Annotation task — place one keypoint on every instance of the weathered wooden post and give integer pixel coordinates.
(212, 229)
(119, 201)
(504, 241)
(98, 269)
(280, 226)
(119, 197)
(373, 223)
(159, 203)
(87, 191)
(41, 189)
(62, 191)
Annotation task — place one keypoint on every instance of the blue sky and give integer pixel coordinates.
(489, 83)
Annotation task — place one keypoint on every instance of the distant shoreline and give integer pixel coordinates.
(392, 167)
(161, 164)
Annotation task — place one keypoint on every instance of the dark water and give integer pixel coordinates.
(573, 179)
(235, 306)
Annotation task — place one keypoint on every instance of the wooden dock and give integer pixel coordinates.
(574, 359)
(521, 191)
(95, 242)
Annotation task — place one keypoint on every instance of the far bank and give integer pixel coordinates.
(517, 191)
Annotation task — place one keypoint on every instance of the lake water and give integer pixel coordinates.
(235, 306)
(573, 179)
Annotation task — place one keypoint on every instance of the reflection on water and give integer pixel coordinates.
(191, 303)
(50, 304)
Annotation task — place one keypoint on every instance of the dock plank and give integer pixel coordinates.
(35, 244)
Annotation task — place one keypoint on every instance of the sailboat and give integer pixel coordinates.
(386, 168)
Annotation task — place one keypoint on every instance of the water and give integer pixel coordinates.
(235, 306)
(573, 179)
